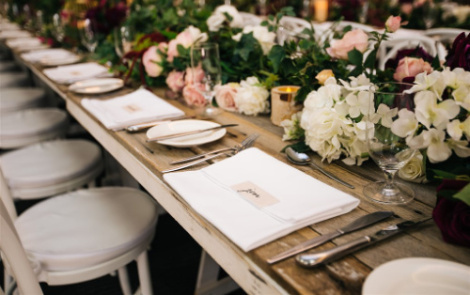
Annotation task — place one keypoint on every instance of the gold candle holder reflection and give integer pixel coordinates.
(320, 10)
(283, 103)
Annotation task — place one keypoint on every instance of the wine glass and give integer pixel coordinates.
(123, 40)
(88, 35)
(388, 150)
(206, 73)
(58, 29)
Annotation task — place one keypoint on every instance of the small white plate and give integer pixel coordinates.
(186, 125)
(96, 86)
(65, 60)
(418, 276)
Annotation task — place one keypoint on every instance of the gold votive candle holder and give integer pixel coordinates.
(283, 103)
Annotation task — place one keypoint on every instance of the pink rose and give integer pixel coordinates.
(175, 81)
(184, 38)
(393, 23)
(225, 96)
(352, 39)
(410, 67)
(151, 60)
(194, 75)
(192, 95)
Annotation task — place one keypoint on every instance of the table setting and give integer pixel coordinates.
(277, 150)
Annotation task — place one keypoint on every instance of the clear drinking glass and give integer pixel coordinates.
(389, 151)
(58, 29)
(123, 40)
(206, 72)
(88, 35)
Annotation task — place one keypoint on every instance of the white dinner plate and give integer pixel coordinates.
(186, 125)
(418, 276)
(96, 86)
(63, 60)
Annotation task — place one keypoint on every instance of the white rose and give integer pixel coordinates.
(291, 127)
(216, 20)
(251, 97)
(261, 34)
(413, 170)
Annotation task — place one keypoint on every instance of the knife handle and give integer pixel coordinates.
(323, 257)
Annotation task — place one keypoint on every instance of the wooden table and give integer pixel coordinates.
(145, 161)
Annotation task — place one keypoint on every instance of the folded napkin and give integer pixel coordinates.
(77, 72)
(254, 198)
(24, 42)
(52, 53)
(137, 107)
(14, 34)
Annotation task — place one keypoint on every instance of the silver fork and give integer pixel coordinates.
(246, 143)
(227, 149)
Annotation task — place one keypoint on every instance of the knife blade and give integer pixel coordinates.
(359, 223)
(175, 135)
(327, 256)
(138, 127)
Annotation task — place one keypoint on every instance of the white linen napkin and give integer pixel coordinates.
(51, 53)
(14, 34)
(254, 198)
(137, 107)
(20, 42)
(76, 72)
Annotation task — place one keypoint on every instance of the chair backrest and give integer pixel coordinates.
(389, 48)
(444, 35)
(250, 19)
(15, 260)
(291, 27)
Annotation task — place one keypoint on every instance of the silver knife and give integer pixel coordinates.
(327, 256)
(359, 223)
(138, 127)
(175, 135)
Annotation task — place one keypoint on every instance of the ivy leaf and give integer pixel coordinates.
(276, 56)
(246, 45)
(355, 57)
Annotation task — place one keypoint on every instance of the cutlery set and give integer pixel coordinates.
(314, 259)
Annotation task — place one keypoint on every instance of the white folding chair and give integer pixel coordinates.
(19, 98)
(76, 237)
(51, 167)
(25, 127)
(14, 79)
(250, 19)
(291, 27)
(389, 48)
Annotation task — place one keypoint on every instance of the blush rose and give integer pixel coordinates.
(352, 39)
(410, 67)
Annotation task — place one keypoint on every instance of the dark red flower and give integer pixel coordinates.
(459, 53)
(417, 52)
(452, 216)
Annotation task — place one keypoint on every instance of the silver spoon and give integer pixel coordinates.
(303, 159)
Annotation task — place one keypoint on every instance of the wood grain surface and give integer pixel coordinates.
(145, 161)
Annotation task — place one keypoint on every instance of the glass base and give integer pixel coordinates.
(394, 195)
(209, 112)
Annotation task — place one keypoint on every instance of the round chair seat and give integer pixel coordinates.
(32, 125)
(51, 167)
(16, 99)
(8, 66)
(86, 227)
(13, 79)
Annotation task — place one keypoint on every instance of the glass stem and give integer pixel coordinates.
(389, 177)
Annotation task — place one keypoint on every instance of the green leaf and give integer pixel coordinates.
(355, 57)
(276, 56)
(371, 59)
(464, 195)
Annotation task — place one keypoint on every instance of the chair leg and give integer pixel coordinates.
(144, 274)
(124, 281)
